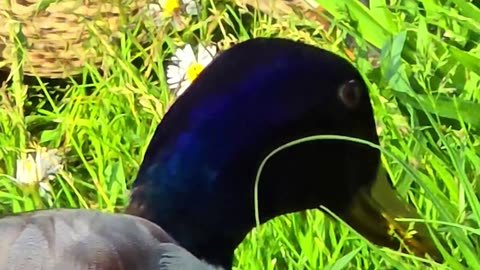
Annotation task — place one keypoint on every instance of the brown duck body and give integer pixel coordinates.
(56, 38)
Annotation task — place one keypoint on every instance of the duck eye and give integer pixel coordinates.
(350, 93)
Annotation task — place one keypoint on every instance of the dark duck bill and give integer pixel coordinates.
(198, 175)
(373, 214)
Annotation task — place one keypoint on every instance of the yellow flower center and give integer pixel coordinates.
(171, 6)
(193, 71)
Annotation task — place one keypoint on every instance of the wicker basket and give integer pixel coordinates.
(56, 38)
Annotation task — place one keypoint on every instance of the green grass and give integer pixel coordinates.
(425, 97)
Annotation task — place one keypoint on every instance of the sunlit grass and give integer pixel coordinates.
(425, 98)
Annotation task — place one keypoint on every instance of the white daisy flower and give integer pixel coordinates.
(191, 7)
(186, 66)
(36, 170)
(163, 9)
(154, 11)
(169, 7)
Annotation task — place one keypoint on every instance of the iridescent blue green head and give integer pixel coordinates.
(198, 174)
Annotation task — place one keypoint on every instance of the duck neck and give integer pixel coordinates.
(211, 229)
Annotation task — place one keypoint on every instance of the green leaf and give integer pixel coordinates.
(342, 263)
(444, 106)
(468, 9)
(467, 59)
(369, 28)
(391, 63)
